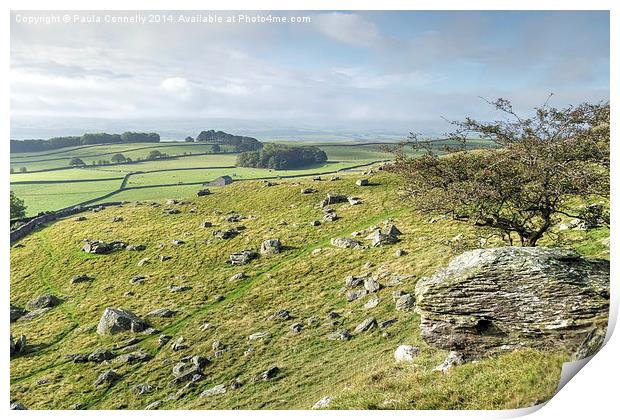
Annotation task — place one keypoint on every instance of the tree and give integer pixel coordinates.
(154, 154)
(23, 169)
(539, 169)
(12, 170)
(189, 139)
(216, 148)
(18, 208)
(128, 160)
(76, 162)
(119, 158)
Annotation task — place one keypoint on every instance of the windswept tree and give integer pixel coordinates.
(18, 208)
(542, 167)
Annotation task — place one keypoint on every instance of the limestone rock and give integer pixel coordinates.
(491, 300)
(242, 257)
(45, 301)
(366, 325)
(270, 247)
(116, 320)
(346, 243)
(322, 403)
(405, 353)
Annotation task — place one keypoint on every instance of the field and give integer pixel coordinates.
(306, 279)
(49, 184)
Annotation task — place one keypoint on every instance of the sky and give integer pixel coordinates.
(349, 72)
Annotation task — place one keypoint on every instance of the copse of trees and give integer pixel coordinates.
(132, 137)
(20, 146)
(76, 162)
(239, 143)
(551, 164)
(275, 156)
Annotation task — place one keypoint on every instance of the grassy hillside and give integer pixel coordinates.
(306, 279)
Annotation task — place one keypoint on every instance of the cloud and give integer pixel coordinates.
(176, 86)
(349, 28)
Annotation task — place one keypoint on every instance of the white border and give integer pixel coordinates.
(592, 395)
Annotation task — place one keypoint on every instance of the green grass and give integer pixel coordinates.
(359, 373)
(46, 197)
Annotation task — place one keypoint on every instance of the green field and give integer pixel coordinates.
(190, 166)
(305, 279)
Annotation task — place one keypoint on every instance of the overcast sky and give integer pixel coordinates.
(358, 70)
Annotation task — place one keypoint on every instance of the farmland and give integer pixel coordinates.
(46, 181)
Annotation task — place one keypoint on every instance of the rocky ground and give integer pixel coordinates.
(286, 294)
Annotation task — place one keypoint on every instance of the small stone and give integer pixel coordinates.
(269, 373)
(237, 277)
(161, 312)
(361, 182)
(400, 252)
(453, 359)
(339, 335)
(179, 344)
(258, 336)
(297, 327)
(143, 262)
(163, 339)
(81, 278)
(322, 403)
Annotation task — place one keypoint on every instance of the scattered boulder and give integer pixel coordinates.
(322, 403)
(100, 355)
(405, 353)
(33, 314)
(176, 288)
(179, 344)
(80, 218)
(334, 199)
(117, 219)
(107, 377)
(371, 285)
(207, 224)
(117, 320)
(344, 242)
(163, 258)
(315, 223)
(137, 279)
(308, 190)
(258, 336)
(154, 405)
(141, 389)
(330, 216)
(17, 312)
(400, 252)
(353, 281)
(81, 278)
(15, 405)
(203, 192)
(339, 335)
(498, 299)
(45, 301)
(101, 247)
(18, 346)
(453, 359)
(269, 373)
(354, 201)
(381, 239)
(405, 303)
(362, 182)
(242, 257)
(366, 325)
(237, 277)
(372, 303)
(216, 390)
(226, 234)
(139, 247)
(161, 313)
(355, 294)
(297, 327)
(270, 247)
(143, 262)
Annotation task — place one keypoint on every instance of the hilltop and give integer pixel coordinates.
(290, 303)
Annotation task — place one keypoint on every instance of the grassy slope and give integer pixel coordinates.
(359, 373)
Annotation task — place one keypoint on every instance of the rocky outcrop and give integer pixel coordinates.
(270, 247)
(492, 300)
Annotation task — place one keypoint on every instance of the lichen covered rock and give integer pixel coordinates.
(492, 300)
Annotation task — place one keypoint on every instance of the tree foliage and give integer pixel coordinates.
(76, 162)
(118, 158)
(275, 156)
(541, 168)
(18, 208)
(239, 143)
